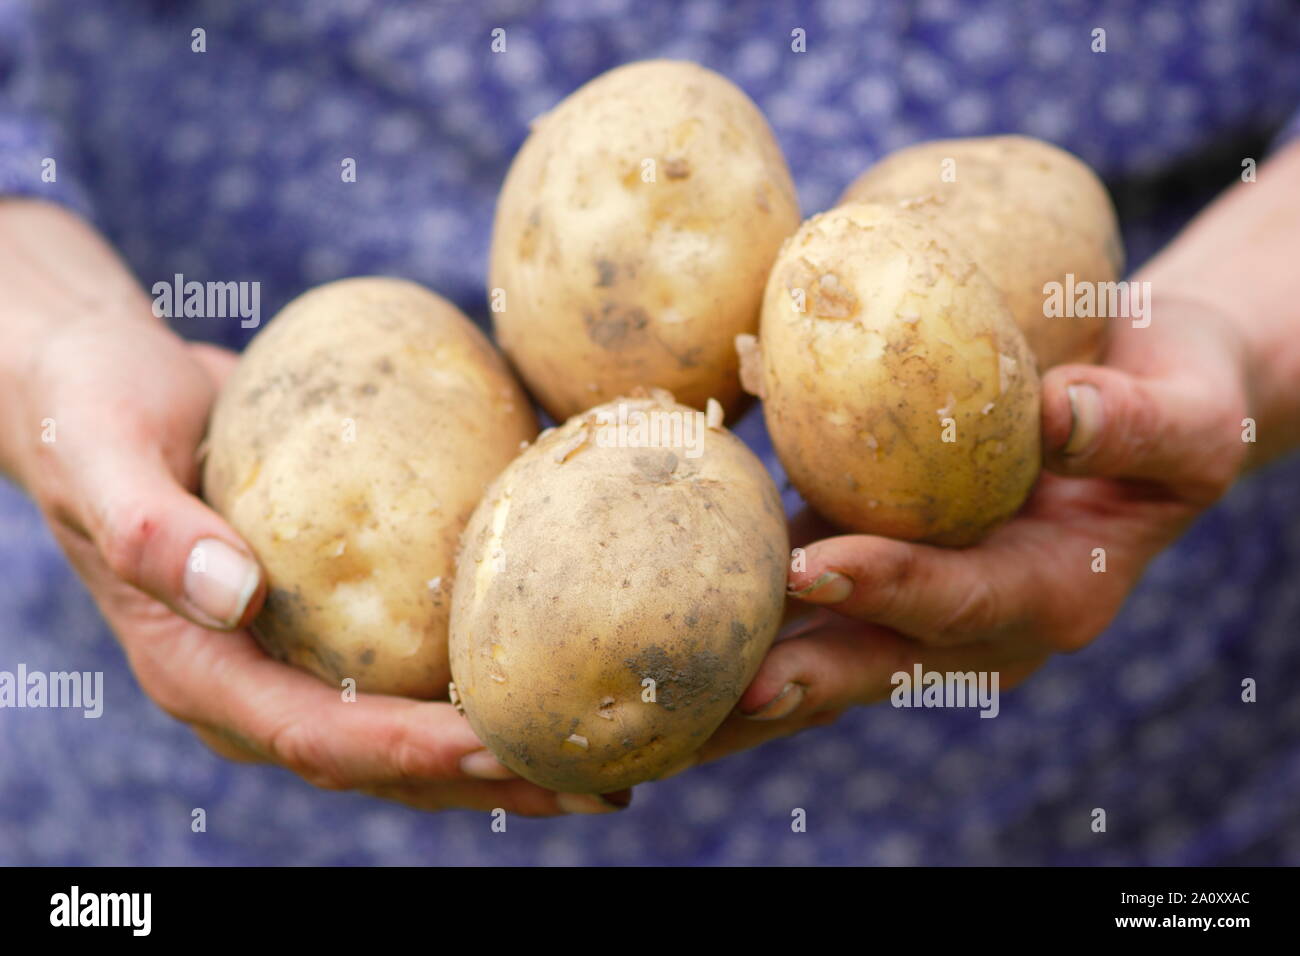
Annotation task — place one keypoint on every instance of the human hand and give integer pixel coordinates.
(1134, 450)
(105, 408)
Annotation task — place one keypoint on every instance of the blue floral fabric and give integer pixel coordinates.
(225, 165)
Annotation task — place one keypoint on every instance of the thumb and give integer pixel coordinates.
(1176, 430)
(218, 362)
(156, 536)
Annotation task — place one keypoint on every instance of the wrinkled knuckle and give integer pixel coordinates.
(1140, 429)
(297, 746)
(978, 614)
(900, 568)
(895, 573)
(409, 761)
(128, 533)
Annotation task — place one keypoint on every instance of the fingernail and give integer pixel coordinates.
(829, 588)
(594, 802)
(220, 581)
(782, 705)
(485, 766)
(1085, 416)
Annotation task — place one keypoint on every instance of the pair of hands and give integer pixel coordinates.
(1134, 449)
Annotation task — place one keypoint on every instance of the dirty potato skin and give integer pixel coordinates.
(1027, 212)
(900, 331)
(611, 282)
(349, 448)
(587, 570)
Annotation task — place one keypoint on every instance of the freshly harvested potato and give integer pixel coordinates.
(1026, 211)
(349, 448)
(900, 396)
(616, 593)
(633, 237)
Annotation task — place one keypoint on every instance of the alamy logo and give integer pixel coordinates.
(1097, 300)
(624, 427)
(82, 690)
(74, 908)
(951, 689)
(208, 300)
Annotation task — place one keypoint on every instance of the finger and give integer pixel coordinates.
(513, 797)
(285, 716)
(280, 715)
(809, 681)
(216, 361)
(1175, 430)
(159, 538)
(851, 665)
(247, 706)
(941, 596)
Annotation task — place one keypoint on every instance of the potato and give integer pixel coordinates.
(349, 448)
(633, 236)
(902, 399)
(615, 595)
(1027, 212)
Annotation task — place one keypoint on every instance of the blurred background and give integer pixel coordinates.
(225, 164)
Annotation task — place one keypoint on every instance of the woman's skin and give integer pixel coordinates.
(129, 402)
(1154, 437)
(1150, 439)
